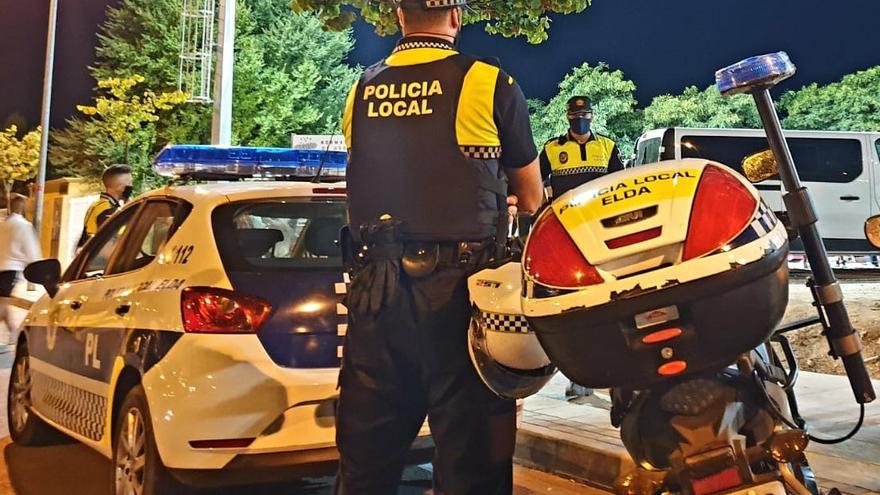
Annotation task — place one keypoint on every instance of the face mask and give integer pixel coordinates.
(127, 192)
(580, 126)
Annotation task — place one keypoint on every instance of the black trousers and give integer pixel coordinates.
(7, 282)
(409, 362)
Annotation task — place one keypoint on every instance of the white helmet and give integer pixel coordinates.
(504, 349)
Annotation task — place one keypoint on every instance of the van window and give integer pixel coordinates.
(648, 151)
(816, 159)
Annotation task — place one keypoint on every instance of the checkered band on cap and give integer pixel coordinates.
(482, 152)
(497, 322)
(580, 170)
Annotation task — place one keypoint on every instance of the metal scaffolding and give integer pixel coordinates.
(196, 50)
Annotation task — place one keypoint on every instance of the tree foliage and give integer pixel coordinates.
(707, 108)
(290, 77)
(509, 18)
(19, 157)
(851, 104)
(614, 106)
(121, 115)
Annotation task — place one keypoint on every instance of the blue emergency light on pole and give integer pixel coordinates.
(756, 76)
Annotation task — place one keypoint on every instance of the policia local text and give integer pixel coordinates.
(412, 98)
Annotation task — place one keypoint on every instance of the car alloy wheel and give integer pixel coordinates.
(131, 454)
(21, 395)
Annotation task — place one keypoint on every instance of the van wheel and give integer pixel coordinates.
(137, 468)
(25, 427)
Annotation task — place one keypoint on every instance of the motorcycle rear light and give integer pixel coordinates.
(224, 443)
(221, 311)
(723, 207)
(672, 368)
(629, 240)
(553, 259)
(662, 336)
(717, 482)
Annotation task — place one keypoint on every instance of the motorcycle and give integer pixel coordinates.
(666, 283)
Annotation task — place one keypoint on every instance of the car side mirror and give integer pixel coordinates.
(46, 273)
(760, 166)
(872, 231)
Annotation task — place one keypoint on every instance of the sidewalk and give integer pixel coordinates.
(579, 441)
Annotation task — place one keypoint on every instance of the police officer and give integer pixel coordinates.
(437, 140)
(117, 189)
(580, 155)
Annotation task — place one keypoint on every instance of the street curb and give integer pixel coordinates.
(547, 450)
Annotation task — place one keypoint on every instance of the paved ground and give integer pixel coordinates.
(73, 469)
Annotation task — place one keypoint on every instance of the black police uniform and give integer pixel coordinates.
(430, 132)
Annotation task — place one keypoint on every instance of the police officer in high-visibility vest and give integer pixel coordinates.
(117, 189)
(439, 147)
(580, 155)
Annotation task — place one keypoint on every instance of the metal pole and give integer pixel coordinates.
(47, 108)
(221, 129)
(843, 338)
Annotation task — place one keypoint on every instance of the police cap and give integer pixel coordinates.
(579, 104)
(432, 4)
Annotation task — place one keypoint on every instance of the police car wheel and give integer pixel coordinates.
(137, 467)
(25, 427)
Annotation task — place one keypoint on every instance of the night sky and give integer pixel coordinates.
(661, 45)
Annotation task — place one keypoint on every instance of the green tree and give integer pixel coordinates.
(508, 18)
(18, 157)
(613, 100)
(290, 78)
(707, 108)
(851, 104)
(287, 63)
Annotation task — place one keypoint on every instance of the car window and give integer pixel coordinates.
(155, 225)
(280, 235)
(98, 253)
(816, 159)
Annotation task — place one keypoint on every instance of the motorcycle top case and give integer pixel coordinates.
(654, 273)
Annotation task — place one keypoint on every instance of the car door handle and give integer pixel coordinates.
(123, 309)
(850, 198)
(75, 305)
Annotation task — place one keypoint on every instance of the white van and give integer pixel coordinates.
(841, 169)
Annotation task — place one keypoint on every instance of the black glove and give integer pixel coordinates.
(376, 284)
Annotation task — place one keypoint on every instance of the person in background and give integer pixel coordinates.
(575, 158)
(117, 190)
(18, 247)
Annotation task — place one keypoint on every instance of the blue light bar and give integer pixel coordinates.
(761, 71)
(213, 162)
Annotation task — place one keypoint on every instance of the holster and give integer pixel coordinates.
(375, 266)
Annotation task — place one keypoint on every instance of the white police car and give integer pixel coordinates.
(196, 338)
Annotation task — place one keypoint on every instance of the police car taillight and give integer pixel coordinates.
(221, 311)
(723, 207)
(552, 258)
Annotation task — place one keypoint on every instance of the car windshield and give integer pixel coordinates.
(280, 234)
